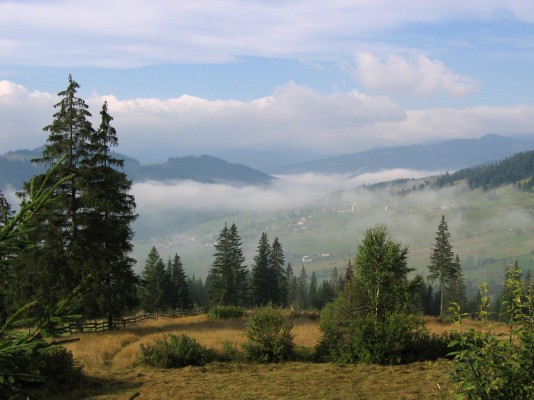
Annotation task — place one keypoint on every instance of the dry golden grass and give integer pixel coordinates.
(110, 364)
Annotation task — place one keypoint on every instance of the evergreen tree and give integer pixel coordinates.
(197, 289)
(443, 266)
(227, 279)
(86, 229)
(302, 289)
(291, 287)
(312, 291)
(179, 295)
(262, 278)
(152, 294)
(325, 294)
(53, 266)
(278, 274)
(105, 217)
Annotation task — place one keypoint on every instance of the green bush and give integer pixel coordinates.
(174, 352)
(268, 331)
(57, 364)
(396, 338)
(491, 366)
(231, 352)
(225, 312)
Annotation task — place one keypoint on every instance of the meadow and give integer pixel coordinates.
(113, 372)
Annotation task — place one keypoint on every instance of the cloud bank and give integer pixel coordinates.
(285, 193)
(420, 77)
(292, 117)
(138, 33)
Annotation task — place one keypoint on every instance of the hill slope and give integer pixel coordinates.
(450, 155)
(16, 168)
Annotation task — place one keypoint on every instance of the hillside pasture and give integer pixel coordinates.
(112, 370)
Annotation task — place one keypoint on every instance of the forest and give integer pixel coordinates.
(66, 255)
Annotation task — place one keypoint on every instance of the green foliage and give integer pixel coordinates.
(174, 352)
(231, 352)
(514, 169)
(225, 312)
(269, 337)
(25, 356)
(397, 338)
(373, 319)
(497, 366)
(153, 294)
(57, 364)
(227, 279)
(178, 294)
(446, 268)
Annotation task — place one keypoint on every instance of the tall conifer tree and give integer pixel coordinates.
(278, 274)
(227, 278)
(262, 279)
(443, 266)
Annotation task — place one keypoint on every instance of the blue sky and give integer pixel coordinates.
(193, 77)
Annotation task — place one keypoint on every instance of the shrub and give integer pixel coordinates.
(231, 352)
(174, 352)
(487, 366)
(395, 338)
(57, 364)
(268, 331)
(225, 312)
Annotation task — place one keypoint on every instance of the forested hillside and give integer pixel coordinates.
(517, 169)
(16, 167)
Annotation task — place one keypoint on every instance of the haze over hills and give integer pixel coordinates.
(450, 155)
(16, 167)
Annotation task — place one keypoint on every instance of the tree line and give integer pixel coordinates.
(517, 169)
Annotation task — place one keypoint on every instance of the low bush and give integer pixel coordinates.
(268, 331)
(174, 352)
(225, 312)
(398, 338)
(491, 366)
(57, 364)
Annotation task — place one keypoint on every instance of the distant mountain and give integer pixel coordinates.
(268, 160)
(450, 155)
(204, 168)
(16, 168)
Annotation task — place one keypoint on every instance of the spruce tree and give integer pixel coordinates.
(291, 286)
(153, 292)
(302, 288)
(278, 274)
(53, 266)
(179, 295)
(106, 216)
(443, 266)
(227, 278)
(312, 291)
(262, 277)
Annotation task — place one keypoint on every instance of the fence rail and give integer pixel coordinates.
(116, 323)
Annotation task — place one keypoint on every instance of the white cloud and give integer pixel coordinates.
(23, 114)
(127, 34)
(292, 117)
(419, 77)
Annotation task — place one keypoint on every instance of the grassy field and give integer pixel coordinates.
(112, 371)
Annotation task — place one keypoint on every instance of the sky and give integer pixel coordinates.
(189, 77)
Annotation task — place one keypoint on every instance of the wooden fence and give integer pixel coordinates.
(117, 323)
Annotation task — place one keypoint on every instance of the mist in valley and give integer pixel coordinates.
(320, 219)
